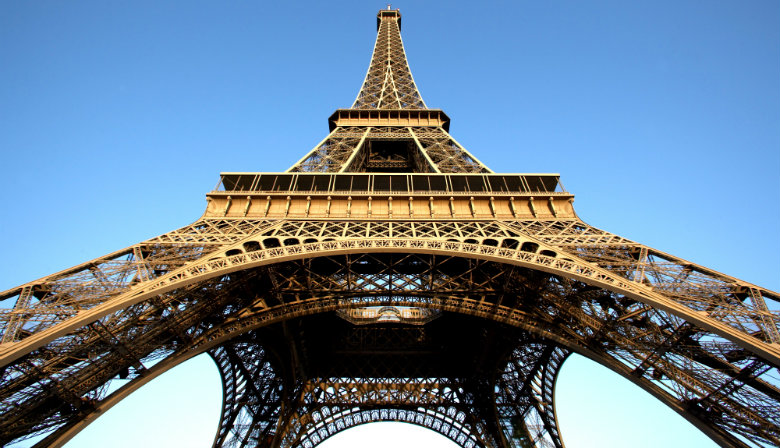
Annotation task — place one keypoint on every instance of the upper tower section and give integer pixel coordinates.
(389, 129)
(389, 83)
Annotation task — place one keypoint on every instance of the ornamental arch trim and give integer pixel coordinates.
(561, 264)
(248, 261)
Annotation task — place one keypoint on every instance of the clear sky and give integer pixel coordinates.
(663, 118)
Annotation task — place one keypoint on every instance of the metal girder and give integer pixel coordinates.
(694, 365)
(700, 372)
(344, 150)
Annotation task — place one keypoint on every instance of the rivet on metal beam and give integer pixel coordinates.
(512, 206)
(227, 206)
(248, 203)
(531, 205)
(267, 205)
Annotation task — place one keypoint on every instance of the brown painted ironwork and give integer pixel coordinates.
(390, 276)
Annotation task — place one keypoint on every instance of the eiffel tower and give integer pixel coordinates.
(389, 275)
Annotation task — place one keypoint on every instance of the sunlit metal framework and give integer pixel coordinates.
(389, 276)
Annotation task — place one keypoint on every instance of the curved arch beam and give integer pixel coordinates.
(205, 343)
(549, 382)
(63, 435)
(436, 423)
(240, 380)
(545, 379)
(207, 269)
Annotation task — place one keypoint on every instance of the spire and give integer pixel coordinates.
(389, 83)
(389, 129)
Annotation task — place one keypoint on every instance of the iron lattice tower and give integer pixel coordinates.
(389, 275)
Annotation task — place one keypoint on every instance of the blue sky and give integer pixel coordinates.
(662, 117)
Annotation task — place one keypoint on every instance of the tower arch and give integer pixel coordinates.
(524, 299)
(389, 210)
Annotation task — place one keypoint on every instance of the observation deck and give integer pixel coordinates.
(390, 196)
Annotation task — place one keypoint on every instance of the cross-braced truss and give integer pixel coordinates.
(454, 312)
(389, 83)
(707, 377)
(431, 150)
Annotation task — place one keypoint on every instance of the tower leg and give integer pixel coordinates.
(525, 400)
(252, 396)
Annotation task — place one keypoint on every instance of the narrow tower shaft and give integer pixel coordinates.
(389, 129)
(389, 83)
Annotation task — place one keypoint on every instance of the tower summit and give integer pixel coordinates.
(389, 128)
(389, 83)
(389, 275)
